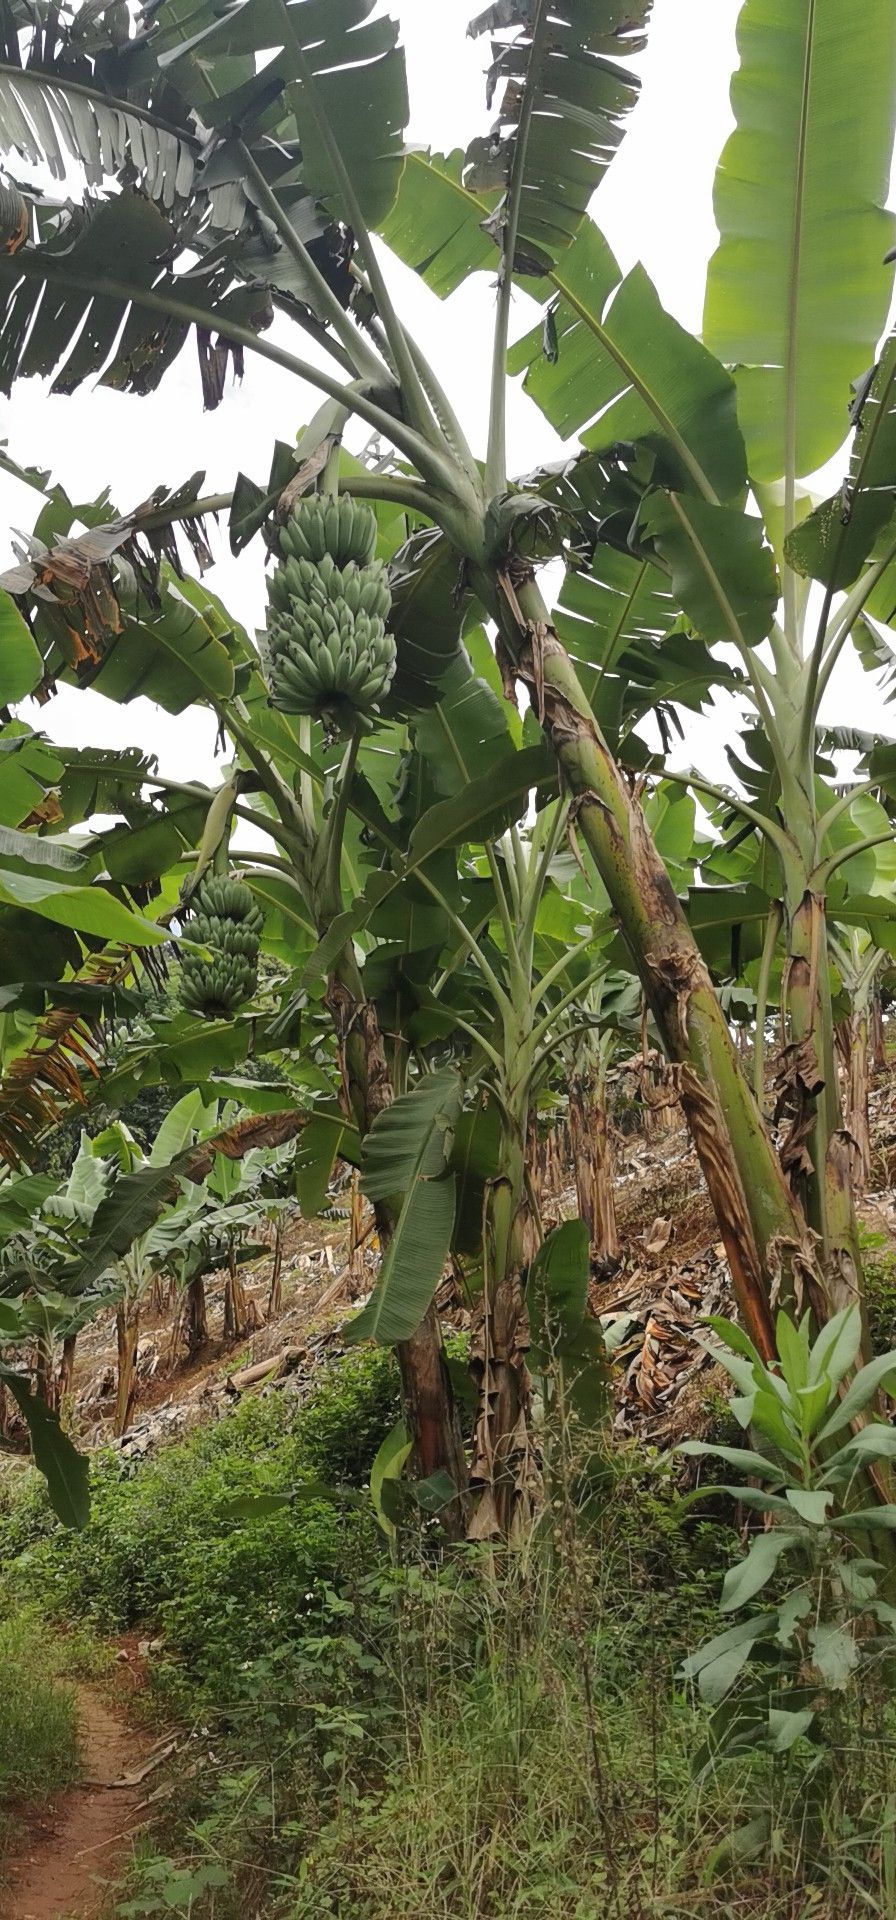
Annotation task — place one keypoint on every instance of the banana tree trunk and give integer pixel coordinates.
(238, 1316)
(127, 1334)
(44, 1373)
(592, 1157)
(275, 1297)
(427, 1395)
(853, 1047)
(356, 1234)
(196, 1316)
(65, 1379)
(816, 1150)
(769, 1251)
(534, 1177)
(878, 1043)
(503, 1473)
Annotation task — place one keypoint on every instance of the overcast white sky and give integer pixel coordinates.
(654, 205)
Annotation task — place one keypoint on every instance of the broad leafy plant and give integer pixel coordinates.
(809, 1604)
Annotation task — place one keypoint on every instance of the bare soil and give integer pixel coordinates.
(78, 1842)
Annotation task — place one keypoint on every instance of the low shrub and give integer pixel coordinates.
(164, 1547)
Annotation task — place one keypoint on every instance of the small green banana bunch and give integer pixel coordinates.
(326, 651)
(226, 919)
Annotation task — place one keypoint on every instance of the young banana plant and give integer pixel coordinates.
(517, 959)
(860, 965)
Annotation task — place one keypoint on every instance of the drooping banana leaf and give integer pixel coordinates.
(50, 120)
(73, 297)
(65, 1470)
(405, 1158)
(108, 612)
(563, 97)
(358, 68)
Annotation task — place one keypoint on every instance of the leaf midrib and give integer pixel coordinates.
(793, 293)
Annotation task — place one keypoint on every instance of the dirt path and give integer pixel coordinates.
(81, 1837)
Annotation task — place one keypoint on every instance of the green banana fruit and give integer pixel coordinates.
(344, 529)
(225, 919)
(326, 651)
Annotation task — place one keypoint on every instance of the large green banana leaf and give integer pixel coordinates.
(405, 1157)
(435, 224)
(798, 290)
(21, 667)
(723, 572)
(612, 365)
(65, 1470)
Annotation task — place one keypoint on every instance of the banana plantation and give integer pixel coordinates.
(466, 1114)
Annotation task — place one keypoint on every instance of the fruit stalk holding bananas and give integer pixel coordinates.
(226, 920)
(326, 651)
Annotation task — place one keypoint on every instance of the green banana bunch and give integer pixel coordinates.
(319, 526)
(226, 920)
(221, 903)
(328, 662)
(326, 651)
(318, 583)
(217, 986)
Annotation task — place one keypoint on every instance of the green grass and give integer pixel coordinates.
(38, 1719)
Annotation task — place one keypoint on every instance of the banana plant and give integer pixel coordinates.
(133, 1266)
(672, 439)
(40, 1222)
(237, 1208)
(587, 1058)
(513, 965)
(860, 965)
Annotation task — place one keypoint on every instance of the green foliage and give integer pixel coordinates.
(879, 1271)
(619, 360)
(38, 1715)
(161, 1547)
(343, 1422)
(64, 1468)
(822, 1623)
(546, 76)
(405, 1157)
(800, 213)
(568, 1346)
(531, 1702)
